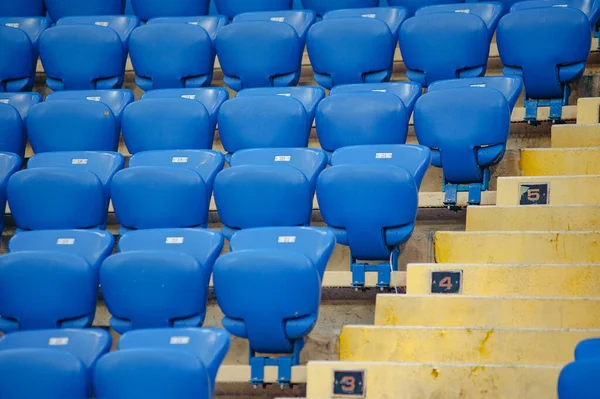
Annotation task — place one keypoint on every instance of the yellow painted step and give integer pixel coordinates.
(576, 136)
(560, 161)
(563, 190)
(437, 380)
(552, 347)
(533, 218)
(571, 280)
(487, 311)
(517, 247)
(588, 110)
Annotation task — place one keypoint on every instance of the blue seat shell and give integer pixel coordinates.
(413, 5)
(323, 7)
(409, 92)
(146, 10)
(231, 8)
(588, 349)
(21, 101)
(576, 380)
(23, 8)
(309, 96)
(9, 164)
(116, 100)
(58, 9)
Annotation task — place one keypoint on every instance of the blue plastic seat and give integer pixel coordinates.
(546, 70)
(263, 49)
(167, 124)
(588, 349)
(268, 187)
(201, 244)
(409, 92)
(14, 108)
(413, 5)
(466, 136)
(162, 363)
(153, 197)
(9, 164)
(93, 246)
(323, 7)
(43, 290)
(19, 39)
(146, 10)
(58, 9)
(577, 380)
(589, 7)
(309, 96)
(354, 46)
(460, 51)
(23, 8)
(153, 289)
(186, 43)
(211, 97)
(22, 102)
(231, 8)
(258, 304)
(510, 86)
(50, 363)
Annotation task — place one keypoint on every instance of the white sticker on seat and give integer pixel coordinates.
(101, 23)
(383, 155)
(179, 340)
(278, 19)
(478, 85)
(284, 94)
(379, 90)
(561, 5)
(369, 16)
(463, 11)
(283, 158)
(79, 161)
(12, 25)
(179, 160)
(174, 240)
(59, 341)
(189, 96)
(193, 23)
(93, 98)
(65, 241)
(286, 239)
(4, 100)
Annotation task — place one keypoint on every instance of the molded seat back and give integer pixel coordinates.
(65, 8)
(588, 349)
(323, 7)
(231, 8)
(42, 290)
(309, 96)
(408, 92)
(12, 130)
(116, 100)
(413, 5)
(576, 380)
(146, 10)
(21, 101)
(490, 13)
(122, 24)
(211, 24)
(22, 8)
(9, 164)
(588, 7)
(392, 16)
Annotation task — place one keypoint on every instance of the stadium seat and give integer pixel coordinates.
(22, 8)
(510, 86)
(19, 39)
(187, 43)
(86, 53)
(467, 136)
(460, 52)
(201, 244)
(44, 290)
(263, 49)
(588, 349)
(58, 9)
(167, 124)
(263, 122)
(162, 363)
(93, 246)
(309, 96)
(413, 5)
(211, 97)
(9, 164)
(14, 108)
(253, 291)
(146, 10)
(323, 7)
(154, 197)
(268, 187)
(369, 199)
(153, 289)
(50, 363)
(577, 380)
(589, 7)
(231, 8)
(361, 118)
(354, 46)
(546, 70)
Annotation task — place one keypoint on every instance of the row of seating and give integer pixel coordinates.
(75, 363)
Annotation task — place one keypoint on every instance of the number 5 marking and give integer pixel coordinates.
(533, 194)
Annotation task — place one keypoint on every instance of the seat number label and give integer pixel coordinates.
(446, 282)
(283, 158)
(4, 100)
(65, 241)
(278, 19)
(286, 239)
(62, 341)
(12, 25)
(369, 16)
(284, 94)
(189, 96)
(383, 155)
(534, 194)
(179, 160)
(463, 11)
(101, 23)
(79, 161)
(379, 91)
(349, 383)
(478, 85)
(179, 340)
(93, 99)
(174, 240)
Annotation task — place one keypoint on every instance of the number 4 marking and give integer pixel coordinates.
(446, 283)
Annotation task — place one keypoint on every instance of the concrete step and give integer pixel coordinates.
(533, 218)
(487, 311)
(560, 161)
(576, 135)
(550, 347)
(571, 280)
(588, 110)
(562, 190)
(517, 247)
(383, 380)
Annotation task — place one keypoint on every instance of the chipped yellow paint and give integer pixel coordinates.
(588, 110)
(438, 380)
(533, 218)
(576, 136)
(583, 189)
(517, 247)
(560, 161)
(487, 311)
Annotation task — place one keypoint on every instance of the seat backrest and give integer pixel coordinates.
(9, 164)
(56, 198)
(87, 344)
(588, 349)
(408, 92)
(151, 197)
(167, 124)
(146, 10)
(460, 124)
(152, 289)
(12, 130)
(361, 118)
(43, 290)
(231, 8)
(32, 26)
(589, 7)
(322, 7)
(263, 122)
(309, 96)
(510, 86)
(317, 244)
(287, 312)
(577, 380)
(93, 246)
(21, 101)
(64, 8)
(22, 8)
(201, 244)
(116, 100)
(211, 24)
(566, 37)
(490, 13)
(392, 16)
(122, 24)
(298, 19)
(413, 5)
